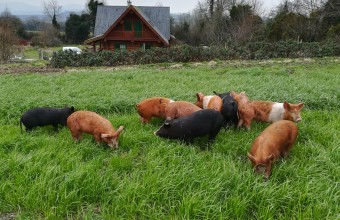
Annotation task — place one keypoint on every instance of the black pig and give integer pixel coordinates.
(43, 116)
(200, 123)
(229, 109)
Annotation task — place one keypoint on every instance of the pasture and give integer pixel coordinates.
(44, 174)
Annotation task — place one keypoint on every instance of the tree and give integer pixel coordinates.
(331, 18)
(14, 22)
(288, 24)
(33, 24)
(92, 6)
(180, 27)
(77, 28)
(8, 40)
(245, 26)
(48, 37)
(52, 9)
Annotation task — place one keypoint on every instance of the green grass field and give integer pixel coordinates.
(44, 175)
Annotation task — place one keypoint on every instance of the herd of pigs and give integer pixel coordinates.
(185, 121)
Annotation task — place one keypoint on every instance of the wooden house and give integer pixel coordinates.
(130, 28)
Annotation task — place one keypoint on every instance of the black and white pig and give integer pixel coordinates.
(43, 116)
(229, 109)
(200, 123)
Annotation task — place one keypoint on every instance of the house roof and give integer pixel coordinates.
(156, 17)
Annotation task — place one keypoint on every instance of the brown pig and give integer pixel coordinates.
(265, 111)
(152, 107)
(180, 109)
(274, 142)
(209, 102)
(245, 109)
(90, 122)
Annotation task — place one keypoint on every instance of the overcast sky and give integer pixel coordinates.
(176, 6)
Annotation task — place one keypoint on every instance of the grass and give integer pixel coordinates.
(44, 174)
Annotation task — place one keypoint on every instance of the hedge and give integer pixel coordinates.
(186, 53)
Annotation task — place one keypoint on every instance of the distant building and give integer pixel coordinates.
(130, 28)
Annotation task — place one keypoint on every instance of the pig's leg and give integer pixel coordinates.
(212, 137)
(55, 126)
(247, 121)
(240, 123)
(144, 120)
(76, 135)
(97, 138)
(188, 140)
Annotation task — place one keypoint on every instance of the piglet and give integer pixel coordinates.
(92, 123)
(265, 111)
(209, 102)
(180, 109)
(200, 123)
(43, 116)
(274, 142)
(152, 107)
(245, 109)
(229, 109)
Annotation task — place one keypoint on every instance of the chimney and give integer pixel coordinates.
(128, 2)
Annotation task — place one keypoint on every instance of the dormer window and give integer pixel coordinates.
(128, 25)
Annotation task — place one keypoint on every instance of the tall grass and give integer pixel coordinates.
(44, 174)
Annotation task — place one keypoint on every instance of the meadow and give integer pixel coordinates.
(45, 175)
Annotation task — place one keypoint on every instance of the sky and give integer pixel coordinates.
(176, 6)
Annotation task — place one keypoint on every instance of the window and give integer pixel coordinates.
(120, 46)
(127, 26)
(145, 46)
(138, 28)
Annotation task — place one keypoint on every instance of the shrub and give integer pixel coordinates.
(186, 53)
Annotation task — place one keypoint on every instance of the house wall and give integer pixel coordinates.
(111, 45)
(132, 39)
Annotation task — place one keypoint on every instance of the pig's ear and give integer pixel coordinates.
(243, 93)
(120, 129)
(104, 135)
(72, 108)
(270, 158)
(286, 105)
(300, 105)
(199, 96)
(251, 158)
(215, 93)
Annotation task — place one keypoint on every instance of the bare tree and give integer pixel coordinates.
(8, 37)
(52, 9)
(49, 36)
(34, 23)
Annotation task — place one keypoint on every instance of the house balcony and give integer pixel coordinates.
(132, 36)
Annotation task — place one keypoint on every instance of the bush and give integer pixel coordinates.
(186, 53)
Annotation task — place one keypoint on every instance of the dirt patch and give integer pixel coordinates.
(7, 216)
(25, 69)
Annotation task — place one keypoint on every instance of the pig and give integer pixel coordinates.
(266, 111)
(245, 109)
(152, 107)
(90, 122)
(229, 109)
(43, 116)
(178, 109)
(200, 123)
(209, 102)
(275, 141)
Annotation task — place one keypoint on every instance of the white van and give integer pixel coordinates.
(75, 49)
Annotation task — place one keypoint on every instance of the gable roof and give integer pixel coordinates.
(158, 18)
